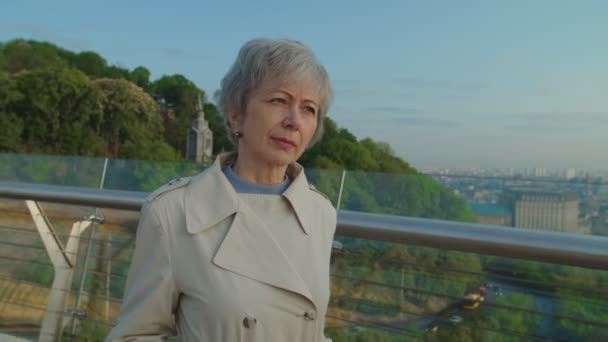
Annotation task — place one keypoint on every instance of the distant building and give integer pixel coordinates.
(199, 146)
(540, 172)
(570, 173)
(494, 214)
(543, 209)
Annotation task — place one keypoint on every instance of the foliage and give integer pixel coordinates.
(90, 63)
(24, 55)
(181, 98)
(360, 334)
(221, 142)
(12, 123)
(130, 126)
(39, 271)
(141, 77)
(58, 109)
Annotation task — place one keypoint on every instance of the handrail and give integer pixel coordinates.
(91, 197)
(560, 248)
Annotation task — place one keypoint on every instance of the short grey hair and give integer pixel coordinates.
(261, 58)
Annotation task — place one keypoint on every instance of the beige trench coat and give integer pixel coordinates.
(207, 267)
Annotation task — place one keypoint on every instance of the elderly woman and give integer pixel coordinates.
(241, 251)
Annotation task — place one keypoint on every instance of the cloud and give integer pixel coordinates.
(394, 110)
(595, 118)
(182, 53)
(529, 128)
(346, 82)
(418, 83)
(425, 121)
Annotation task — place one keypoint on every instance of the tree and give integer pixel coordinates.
(181, 98)
(221, 142)
(22, 55)
(58, 110)
(131, 126)
(90, 63)
(171, 88)
(11, 125)
(114, 71)
(141, 77)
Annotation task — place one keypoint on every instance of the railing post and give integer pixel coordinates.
(340, 192)
(63, 264)
(83, 274)
(109, 271)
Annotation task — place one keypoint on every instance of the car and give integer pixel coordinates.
(455, 319)
(433, 327)
(471, 301)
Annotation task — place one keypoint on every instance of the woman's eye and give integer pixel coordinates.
(311, 110)
(278, 100)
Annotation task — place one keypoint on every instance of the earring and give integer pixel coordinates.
(238, 134)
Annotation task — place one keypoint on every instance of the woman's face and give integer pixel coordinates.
(279, 121)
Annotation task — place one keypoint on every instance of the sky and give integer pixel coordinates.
(451, 84)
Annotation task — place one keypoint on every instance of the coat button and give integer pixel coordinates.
(310, 315)
(249, 322)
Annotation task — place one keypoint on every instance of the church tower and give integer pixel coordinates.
(199, 146)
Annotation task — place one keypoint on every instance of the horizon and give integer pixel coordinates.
(467, 85)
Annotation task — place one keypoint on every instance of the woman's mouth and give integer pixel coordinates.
(283, 142)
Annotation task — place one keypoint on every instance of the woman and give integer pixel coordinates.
(241, 251)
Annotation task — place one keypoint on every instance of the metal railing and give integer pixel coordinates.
(561, 248)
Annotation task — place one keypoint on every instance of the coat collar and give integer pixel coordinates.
(210, 198)
(248, 249)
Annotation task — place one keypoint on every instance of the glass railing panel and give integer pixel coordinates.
(578, 205)
(100, 264)
(46, 169)
(575, 206)
(141, 175)
(146, 175)
(26, 272)
(326, 181)
(420, 293)
(380, 291)
(104, 257)
(403, 195)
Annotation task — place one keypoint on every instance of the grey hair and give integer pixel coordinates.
(262, 58)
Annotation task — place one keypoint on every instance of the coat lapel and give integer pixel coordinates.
(248, 248)
(299, 196)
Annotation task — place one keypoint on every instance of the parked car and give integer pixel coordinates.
(471, 301)
(455, 319)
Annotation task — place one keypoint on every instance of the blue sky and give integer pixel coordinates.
(446, 83)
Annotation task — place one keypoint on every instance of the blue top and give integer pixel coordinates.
(246, 187)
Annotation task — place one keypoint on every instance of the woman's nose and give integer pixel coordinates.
(293, 117)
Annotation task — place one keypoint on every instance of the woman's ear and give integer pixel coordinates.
(234, 120)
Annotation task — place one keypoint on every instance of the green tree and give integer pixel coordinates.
(22, 55)
(90, 63)
(221, 142)
(141, 77)
(58, 108)
(131, 126)
(11, 125)
(114, 71)
(181, 98)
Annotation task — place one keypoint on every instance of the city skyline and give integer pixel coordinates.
(454, 85)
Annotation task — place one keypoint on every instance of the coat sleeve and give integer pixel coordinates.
(150, 295)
